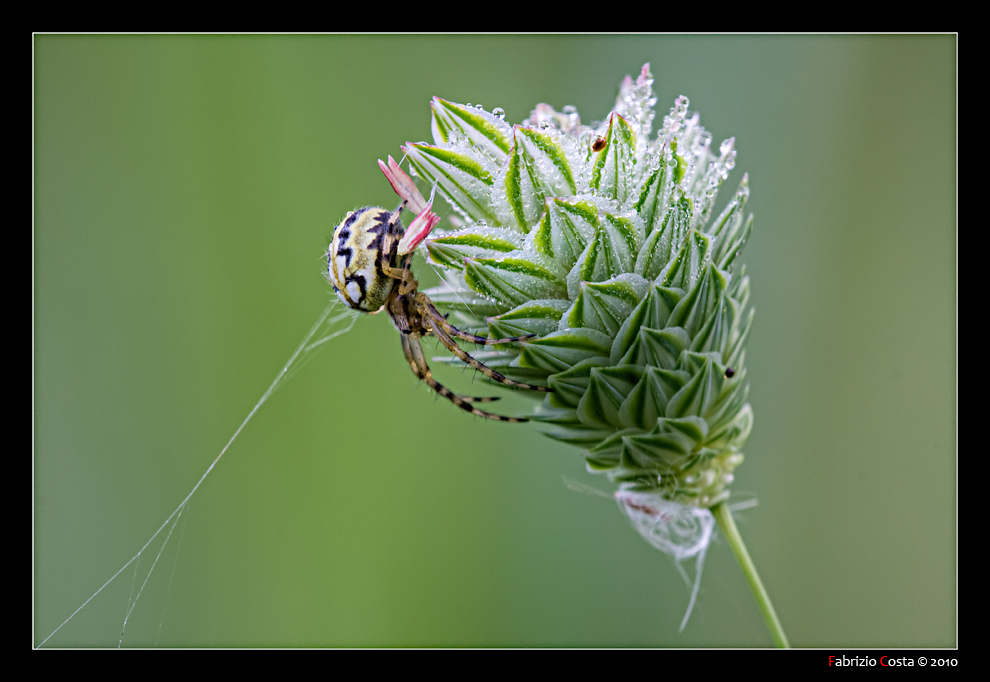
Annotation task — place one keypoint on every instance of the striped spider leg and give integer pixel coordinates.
(415, 316)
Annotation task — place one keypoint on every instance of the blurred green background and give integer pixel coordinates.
(185, 191)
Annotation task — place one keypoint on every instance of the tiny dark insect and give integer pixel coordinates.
(368, 264)
(598, 144)
(729, 372)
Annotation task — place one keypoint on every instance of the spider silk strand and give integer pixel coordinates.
(304, 347)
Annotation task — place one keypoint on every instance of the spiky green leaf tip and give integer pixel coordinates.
(601, 241)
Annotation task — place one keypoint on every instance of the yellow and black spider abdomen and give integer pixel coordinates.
(360, 246)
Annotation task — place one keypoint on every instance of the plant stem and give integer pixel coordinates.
(724, 518)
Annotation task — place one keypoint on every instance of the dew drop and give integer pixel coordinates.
(499, 113)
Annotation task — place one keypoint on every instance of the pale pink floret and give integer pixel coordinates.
(403, 185)
(425, 219)
(419, 229)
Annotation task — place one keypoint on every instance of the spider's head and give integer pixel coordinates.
(361, 245)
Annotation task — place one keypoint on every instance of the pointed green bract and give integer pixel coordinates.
(654, 191)
(605, 306)
(540, 317)
(565, 229)
(537, 168)
(547, 162)
(665, 240)
(461, 179)
(613, 168)
(601, 243)
(478, 126)
(683, 269)
(515, 278)
(560, 351)
(473, 242)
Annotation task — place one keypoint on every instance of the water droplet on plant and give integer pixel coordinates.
(499, 113)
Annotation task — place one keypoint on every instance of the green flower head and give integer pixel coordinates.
(601, 241)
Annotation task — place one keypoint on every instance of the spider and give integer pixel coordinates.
(369, 265)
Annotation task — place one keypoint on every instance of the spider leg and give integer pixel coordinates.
(426, 306)
(445, 339)
(404, 275)
(417, 362)
(420, 365)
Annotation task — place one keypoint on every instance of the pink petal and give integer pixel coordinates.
(419, 229)
(403, 185)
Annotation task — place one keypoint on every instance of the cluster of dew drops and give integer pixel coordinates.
(703, 173)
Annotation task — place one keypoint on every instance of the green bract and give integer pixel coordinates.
(600, 240)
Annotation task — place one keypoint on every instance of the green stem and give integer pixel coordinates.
(724, 518)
